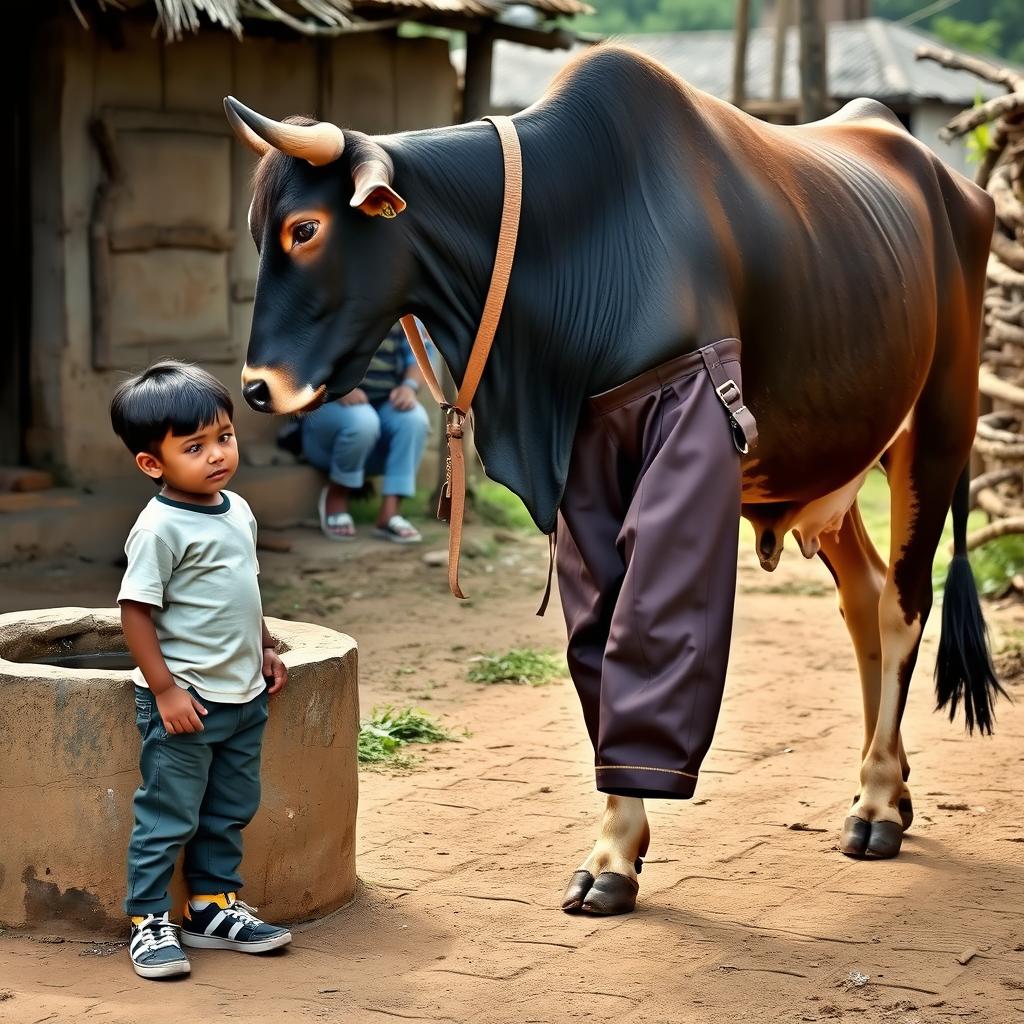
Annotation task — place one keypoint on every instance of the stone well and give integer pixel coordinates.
(69, 752)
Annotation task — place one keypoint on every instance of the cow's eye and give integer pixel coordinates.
(303, 232)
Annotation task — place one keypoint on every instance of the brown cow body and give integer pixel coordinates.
(846, 257)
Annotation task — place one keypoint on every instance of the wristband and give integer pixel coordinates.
(411, 382)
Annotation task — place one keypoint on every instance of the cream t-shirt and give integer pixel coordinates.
(196, 565)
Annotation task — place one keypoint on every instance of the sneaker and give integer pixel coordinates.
(155, 950)
(228, 923)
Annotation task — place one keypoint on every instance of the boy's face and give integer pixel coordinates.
(198, 463)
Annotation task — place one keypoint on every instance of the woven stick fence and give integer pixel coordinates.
(999, 446)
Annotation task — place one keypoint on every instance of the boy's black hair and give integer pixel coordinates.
(169, 396)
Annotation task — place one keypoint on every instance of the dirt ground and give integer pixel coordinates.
(747, 910)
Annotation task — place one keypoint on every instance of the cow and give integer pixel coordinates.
(656, 219)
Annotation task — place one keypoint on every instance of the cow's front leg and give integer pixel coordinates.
(606, 882)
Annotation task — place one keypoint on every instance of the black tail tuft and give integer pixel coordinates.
(963, 670)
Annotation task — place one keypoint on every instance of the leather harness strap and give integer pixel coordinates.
(452, 503)
(741, 420)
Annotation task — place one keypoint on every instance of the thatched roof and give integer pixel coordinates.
(318, 17)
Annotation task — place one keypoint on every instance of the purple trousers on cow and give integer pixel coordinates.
(646, 557)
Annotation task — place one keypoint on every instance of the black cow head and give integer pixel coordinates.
(333, 270)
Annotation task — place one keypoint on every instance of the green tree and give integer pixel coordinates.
(983, 26)
(989, 26)
(979, 37)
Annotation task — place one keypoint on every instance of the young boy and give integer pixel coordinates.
(191, 613)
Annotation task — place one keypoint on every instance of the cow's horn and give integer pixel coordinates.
(319, 143)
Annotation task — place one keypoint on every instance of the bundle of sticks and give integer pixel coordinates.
(998, 484)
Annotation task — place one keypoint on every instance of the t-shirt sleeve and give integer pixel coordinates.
(150, 564)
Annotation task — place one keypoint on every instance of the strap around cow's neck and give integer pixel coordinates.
(453, 497)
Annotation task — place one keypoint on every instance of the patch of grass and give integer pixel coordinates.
(874, 507)
(516, 666)
(498, 506)
(388, 730)
(996, 563)
(365, 505)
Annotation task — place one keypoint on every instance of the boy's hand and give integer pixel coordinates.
(179, 710)
(274, 669)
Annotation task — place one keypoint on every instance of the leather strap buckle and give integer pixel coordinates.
(729, 392)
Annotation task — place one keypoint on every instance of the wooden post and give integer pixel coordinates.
(739, 58)
(814, 99)
(476, 85)
(783, 17)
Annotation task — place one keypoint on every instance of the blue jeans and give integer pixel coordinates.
(350, 442)
(199, 790)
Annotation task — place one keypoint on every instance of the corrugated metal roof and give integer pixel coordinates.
(872, 58)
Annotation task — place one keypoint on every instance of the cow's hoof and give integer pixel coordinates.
(862, 838)
(576, 892)
(906, 808)
(611, 893)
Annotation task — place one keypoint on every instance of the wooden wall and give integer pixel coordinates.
(155, 258)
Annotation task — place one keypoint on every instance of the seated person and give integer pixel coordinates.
(377, 427)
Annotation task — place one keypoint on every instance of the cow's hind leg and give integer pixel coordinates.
(922, 473)
(859, 572)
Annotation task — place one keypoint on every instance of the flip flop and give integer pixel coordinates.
(333, 524)
(399, 531)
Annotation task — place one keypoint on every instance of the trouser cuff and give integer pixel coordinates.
(644, 781)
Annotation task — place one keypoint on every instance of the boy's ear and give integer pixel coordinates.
(150, 465)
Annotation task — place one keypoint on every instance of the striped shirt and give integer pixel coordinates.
(388, 367)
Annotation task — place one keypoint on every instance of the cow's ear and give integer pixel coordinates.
(373, 192)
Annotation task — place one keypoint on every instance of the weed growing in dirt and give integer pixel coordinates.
(498, 506)
(388, 729)
(996, 563)
(516, 666)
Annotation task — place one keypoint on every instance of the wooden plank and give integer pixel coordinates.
(142, 239)
(426, 84)
(197, 72)
(476, 87)
(165, 295)
(360, 89)
(172, 179)
(129, 76)
(277, 78)
(739, 53)
(813, 61)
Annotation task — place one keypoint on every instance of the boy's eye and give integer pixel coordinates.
(226, 437)
(193, 448)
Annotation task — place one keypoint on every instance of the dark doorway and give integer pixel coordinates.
(14, 361)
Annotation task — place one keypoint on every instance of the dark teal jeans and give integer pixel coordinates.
(199, 790)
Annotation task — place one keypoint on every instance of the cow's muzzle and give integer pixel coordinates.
(271, 390)
(257, 394)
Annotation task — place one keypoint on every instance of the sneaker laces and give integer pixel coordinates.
(243, 911)
(158, 933)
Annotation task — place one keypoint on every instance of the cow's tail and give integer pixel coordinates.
(964, 671)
